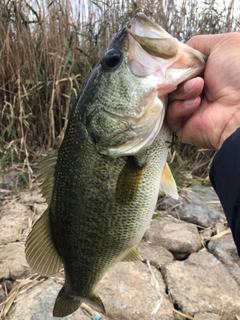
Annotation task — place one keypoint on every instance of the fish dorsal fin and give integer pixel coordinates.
(132, 255)
(40, 252)
(46, 170)
(168, 184)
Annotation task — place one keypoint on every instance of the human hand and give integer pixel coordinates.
(205, 112)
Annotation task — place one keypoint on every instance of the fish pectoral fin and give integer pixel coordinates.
(132, 255)
(129, 181)
(40, 252)
(64, 306)
(168, 184)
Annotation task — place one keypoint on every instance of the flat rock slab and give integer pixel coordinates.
(129, 291)
(13, 262)
(14, 219)
(208, 316)
(179, 237)
(202, 284)
(154, 253)
(200, 206)
(225, 250)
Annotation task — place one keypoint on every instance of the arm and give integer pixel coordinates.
(205, 112)
(225, 178)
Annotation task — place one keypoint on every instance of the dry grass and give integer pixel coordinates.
(47, 52)
(11, 297)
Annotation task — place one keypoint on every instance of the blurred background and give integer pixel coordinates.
(48, 49)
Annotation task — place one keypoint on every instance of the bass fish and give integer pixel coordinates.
(102, 185)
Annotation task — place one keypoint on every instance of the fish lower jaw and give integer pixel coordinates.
(140, 142)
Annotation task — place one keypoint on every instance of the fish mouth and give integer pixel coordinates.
(152, 38)
(159, 43)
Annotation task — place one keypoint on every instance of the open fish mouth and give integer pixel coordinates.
(158, 42)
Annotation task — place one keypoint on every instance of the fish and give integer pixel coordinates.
(102, 185)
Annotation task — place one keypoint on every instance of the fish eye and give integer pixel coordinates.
(112, 58)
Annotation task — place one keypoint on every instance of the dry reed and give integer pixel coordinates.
(48, 50)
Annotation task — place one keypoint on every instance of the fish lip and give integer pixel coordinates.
(143, 26)
(199, 56)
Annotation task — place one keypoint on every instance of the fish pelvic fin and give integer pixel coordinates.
(64, 306)
(168, 184)
(40, 252)
(132, 255)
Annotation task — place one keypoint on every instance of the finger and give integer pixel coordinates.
(187, 90)
(206, 43)
(179, 111)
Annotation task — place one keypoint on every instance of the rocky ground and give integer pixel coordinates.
(191, 269)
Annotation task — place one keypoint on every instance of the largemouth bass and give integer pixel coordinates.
(102, 185)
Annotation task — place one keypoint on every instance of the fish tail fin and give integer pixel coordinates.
(64, 306)
(95, 302)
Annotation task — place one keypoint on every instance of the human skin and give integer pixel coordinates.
(205, 111)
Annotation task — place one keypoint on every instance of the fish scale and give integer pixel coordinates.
(111, 165)
(113, 235)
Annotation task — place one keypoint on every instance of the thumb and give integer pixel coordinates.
(205, 43)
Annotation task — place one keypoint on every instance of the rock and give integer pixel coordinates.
(208, 316)
(2, 294)
(225, 250)
(7, 285)
(14, 219)
(206, 234)
(38, 303)
(39, 208)
(208, 194)
(179, 237)
(129, 291)
(191, 208)
(220, 227)
(31, 196)
(202, 284)
(13, 262)
(156, 254)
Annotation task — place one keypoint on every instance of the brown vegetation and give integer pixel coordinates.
(47, 50)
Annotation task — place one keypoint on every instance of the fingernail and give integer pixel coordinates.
(189, 84)
(190, 102)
